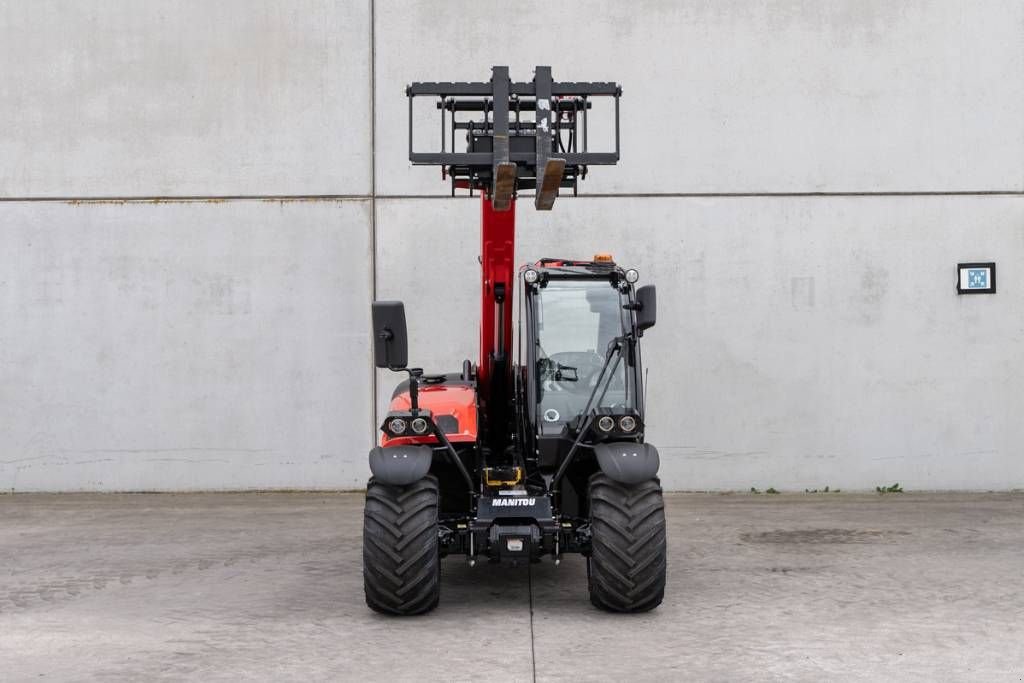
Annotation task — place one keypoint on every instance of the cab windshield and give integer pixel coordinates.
(576, 321)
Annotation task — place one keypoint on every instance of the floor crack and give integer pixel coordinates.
(533, 651)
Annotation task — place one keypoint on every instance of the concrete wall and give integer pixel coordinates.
(799, 179)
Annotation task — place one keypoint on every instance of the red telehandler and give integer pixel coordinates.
(516, 460)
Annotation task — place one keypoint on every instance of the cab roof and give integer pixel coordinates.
(574, 267)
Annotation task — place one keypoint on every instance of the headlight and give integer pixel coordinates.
(627, 423)
(606, 424)
(419, 425)
(632, 275)
(531, 275)
(396, 425)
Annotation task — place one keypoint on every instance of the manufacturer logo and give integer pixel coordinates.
(512, 502)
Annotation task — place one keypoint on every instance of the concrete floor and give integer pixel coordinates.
(268, 586)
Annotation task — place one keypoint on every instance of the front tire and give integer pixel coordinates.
(628, 550)
(401, 562)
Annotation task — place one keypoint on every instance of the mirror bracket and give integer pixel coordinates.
(414, 388)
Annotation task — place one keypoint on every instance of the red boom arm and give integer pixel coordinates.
(497, 260)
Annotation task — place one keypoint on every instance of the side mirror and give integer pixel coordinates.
(390, 341)
(647, 307)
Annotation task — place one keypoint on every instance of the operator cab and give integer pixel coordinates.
(581, 378)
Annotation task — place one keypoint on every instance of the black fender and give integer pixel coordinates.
(400, 465)
(627, 462)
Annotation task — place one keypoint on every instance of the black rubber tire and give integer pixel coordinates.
(401, 564)
(628, 552)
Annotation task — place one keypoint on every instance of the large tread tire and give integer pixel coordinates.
(628, 550)
(401, 563)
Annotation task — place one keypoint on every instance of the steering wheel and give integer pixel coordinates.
(588, 367)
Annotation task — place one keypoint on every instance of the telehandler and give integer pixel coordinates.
(512, 460)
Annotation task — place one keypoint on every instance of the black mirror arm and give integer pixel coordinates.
(414, 386)
(634, 306)
(414, 373)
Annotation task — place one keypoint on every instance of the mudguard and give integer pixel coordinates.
(400, 465)
(627, 462)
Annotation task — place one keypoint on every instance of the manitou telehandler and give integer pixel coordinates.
(514, 460)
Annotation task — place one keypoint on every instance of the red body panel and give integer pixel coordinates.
(458, 401)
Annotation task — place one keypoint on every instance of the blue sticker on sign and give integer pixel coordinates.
(977, 278)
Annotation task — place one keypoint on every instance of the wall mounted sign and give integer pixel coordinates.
(976, 278)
